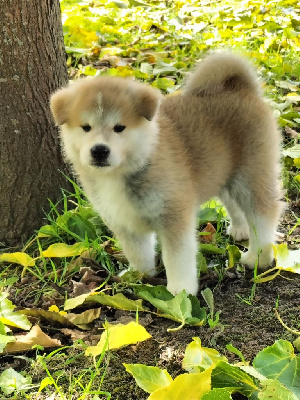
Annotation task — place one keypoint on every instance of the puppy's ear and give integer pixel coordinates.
(147, 101)
(59, 105)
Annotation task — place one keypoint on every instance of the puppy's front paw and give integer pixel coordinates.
(177, 287)
(264, 259)
(238, 233)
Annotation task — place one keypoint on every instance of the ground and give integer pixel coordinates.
(247, 321)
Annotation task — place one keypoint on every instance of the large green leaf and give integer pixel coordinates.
(182, 308)
(280, 362)
(225, 375)
(11, 380)
(274, 390)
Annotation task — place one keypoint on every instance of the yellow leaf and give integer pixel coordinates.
(198, 358)
(118, 335)
(65, 250)
(53, 308)
(288, 260)
(297, 162)
(185, 386)
(18, 258)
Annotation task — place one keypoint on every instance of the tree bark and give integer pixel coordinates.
(32, 66)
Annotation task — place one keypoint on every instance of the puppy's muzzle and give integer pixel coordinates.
(100, 154)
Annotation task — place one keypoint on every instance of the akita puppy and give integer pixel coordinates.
(146, 161)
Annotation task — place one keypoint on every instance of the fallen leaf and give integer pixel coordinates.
(209, 233)
(118, 335)
(185, 386)
(291, 132)
(11, 380)
(65, 250)
(10, 317)
(149, 378)
(34, 337)
(118, 301)
(85, 318)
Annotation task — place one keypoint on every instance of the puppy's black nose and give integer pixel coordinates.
(100, 154)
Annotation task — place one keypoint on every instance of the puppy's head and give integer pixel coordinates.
(106, 122)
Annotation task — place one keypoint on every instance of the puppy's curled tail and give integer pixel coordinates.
(222, 72)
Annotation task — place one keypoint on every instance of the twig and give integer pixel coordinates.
(284, 325)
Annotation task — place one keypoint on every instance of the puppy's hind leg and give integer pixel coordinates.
(238, 227)
(262, 227)
(262, 210)
(179, 250)
(139, 249)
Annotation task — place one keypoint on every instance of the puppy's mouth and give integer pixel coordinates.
(100, 164)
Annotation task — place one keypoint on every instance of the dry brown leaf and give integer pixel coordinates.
(35, 336)
(290, 132)
(75, 334)
(85, 318)
(210, 229)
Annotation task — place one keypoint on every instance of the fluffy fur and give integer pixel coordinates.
(146, 161)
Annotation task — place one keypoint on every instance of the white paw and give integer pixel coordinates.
(264, 259)
(238, 233)
(191, 287)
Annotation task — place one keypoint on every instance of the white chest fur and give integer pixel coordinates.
(110, 199)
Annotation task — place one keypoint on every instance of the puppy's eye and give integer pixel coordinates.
(86, 128)
(119, 128)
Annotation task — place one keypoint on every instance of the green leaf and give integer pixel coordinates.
(18, 258)
(11, 381)
(164, 83)
(198, 358)
(65, 250)
(208, 296)
(236, 351)
(163, 68)
(118, 301)
(225, 375)
(280, 362)
(149, 378)
(118, 335)
(182, 308)
(293, 152)
(47, 231)
(217, 394)
(211, 249)
(10, 317)
(274, 390)
(45, 382)
(4, 340)
(234, 255)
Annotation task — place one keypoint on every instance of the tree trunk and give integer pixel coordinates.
(32, 66)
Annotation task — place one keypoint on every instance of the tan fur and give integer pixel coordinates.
(217, 138)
